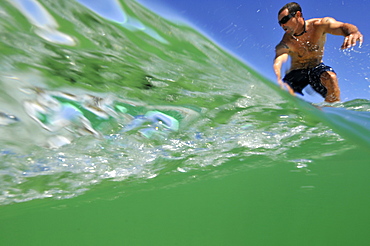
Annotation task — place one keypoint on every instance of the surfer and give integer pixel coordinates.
(304, 42)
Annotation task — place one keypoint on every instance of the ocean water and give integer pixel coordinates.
(122, 128)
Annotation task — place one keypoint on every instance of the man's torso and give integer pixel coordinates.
(307, 50)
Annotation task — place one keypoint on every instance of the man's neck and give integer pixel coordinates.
(303, 30)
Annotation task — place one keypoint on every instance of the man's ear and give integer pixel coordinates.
(298, 14)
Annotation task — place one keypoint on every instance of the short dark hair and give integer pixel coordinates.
(292, 8)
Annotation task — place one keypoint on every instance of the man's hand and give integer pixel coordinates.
(349, 31)
(351, 40)
(285, 86)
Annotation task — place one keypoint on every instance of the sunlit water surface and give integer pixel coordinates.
(89, 95)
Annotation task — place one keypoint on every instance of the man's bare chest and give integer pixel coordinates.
(306, 46)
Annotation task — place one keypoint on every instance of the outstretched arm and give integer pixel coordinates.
(280, 58)
(349, 31)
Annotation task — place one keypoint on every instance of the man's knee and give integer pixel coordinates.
(329, 76)
(330, 82)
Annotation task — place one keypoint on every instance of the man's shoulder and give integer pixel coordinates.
(282, 45)
(320, 21)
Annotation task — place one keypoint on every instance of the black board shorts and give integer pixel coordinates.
(298, 79)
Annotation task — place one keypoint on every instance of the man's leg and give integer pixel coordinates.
(330, 81)
(296, 80)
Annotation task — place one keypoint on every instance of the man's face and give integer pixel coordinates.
(286, 21)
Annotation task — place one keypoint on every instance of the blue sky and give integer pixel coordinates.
(249, 30)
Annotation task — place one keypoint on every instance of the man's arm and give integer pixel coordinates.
(349, 31)
(282, 55)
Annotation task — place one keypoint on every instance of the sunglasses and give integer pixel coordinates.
(286, 18)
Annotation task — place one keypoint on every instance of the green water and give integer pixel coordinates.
(143, 132)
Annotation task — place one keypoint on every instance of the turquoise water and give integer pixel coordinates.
(132, 128)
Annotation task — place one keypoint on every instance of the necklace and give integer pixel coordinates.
(304, 31)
